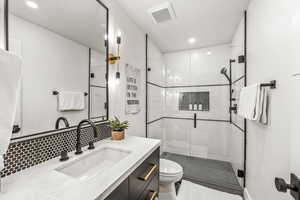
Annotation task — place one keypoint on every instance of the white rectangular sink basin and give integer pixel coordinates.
(93, 164)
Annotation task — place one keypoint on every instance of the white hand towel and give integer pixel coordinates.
(10, 80)
(264, 116)
(71, 101)
(249, 102)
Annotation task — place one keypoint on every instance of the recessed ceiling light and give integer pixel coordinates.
(32, 4)
(192, 40)
(208, 53)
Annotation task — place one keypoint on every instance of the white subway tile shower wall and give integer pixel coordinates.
(237, 49)
(157, 102)
(177, 68)
(156, 64)
(208, 140)
(197, 67)
(98, 67)
(156, 95)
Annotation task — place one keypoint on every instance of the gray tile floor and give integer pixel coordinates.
(214, 174)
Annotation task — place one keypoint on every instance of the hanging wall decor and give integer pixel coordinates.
(133, 80)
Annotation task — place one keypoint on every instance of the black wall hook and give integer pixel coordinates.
(56, 93)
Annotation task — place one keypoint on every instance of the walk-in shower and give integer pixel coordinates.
(188, 103)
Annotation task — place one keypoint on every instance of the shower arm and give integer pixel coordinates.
(227, 77)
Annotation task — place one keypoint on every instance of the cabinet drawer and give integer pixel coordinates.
(142, 176)
(152, 190)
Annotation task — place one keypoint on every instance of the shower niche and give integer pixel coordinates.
(194, 101)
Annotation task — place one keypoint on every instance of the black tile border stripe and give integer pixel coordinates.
(191, 86)
(187, 86)
(186, 118)
(199, 119)
(98, 86)
(155, 120)
(154, 84)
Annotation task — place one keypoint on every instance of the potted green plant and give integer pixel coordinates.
(118, 128)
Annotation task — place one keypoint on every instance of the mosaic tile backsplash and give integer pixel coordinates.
(27, 153)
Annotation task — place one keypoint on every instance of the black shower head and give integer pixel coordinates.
(224, 72)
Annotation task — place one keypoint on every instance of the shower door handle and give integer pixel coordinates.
(195, 120)
(294, 186)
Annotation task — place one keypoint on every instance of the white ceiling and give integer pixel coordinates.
(81, 21)
(211, 22)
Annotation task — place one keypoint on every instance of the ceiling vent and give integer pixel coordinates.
(162, 13)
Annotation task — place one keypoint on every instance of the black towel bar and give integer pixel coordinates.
(272, 84)
(56, 93)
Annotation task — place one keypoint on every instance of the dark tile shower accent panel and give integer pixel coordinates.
(187, 99)
(24, 154)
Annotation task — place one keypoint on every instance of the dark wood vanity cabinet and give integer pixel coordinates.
(120, 193)
(142, 184)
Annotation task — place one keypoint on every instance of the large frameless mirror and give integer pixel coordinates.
(64, 62)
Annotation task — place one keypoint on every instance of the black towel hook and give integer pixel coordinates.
(56, 93)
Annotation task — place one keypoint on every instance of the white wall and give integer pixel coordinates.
(270, 55)
(132, 51)
(295, 136)
(49, 62)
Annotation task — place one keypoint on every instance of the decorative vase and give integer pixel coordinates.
(118, 135)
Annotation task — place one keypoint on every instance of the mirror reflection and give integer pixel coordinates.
(64, 62)
(2, 39)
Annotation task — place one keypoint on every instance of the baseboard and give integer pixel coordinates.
(247, 195)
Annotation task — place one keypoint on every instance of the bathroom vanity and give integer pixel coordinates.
(142, 184)
(114, 170)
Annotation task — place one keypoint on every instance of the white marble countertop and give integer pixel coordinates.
(43, 182)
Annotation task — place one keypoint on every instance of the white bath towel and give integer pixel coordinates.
(71, 101)
(10, 81)
(249, 102)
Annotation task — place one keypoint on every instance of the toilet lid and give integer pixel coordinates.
(169, 168)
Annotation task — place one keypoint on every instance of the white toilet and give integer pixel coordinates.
(170, 172)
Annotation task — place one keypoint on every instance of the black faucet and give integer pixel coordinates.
(64, 153)
(64, 120)
(78, 138)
